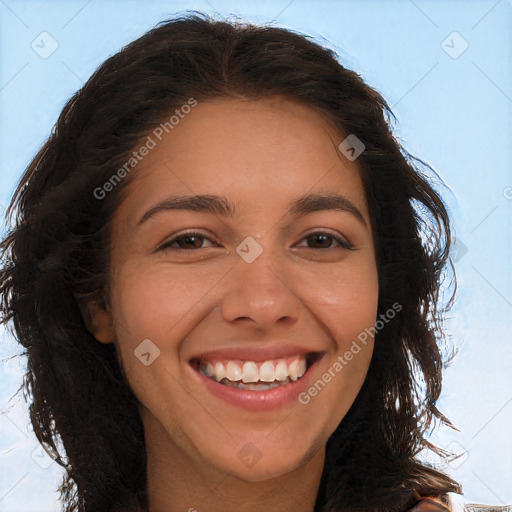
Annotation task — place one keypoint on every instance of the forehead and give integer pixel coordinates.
(273, 148)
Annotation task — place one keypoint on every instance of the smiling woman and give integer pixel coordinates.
(232, 306)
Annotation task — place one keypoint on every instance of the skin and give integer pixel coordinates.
(260, 155)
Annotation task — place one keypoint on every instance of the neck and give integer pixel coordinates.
(177, 482)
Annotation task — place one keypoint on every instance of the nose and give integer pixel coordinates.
(261, 293)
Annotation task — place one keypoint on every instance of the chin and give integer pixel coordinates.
(243, 459)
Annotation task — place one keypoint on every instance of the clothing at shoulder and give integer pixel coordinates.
(452, 502)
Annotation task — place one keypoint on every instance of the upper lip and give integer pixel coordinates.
(254, 353)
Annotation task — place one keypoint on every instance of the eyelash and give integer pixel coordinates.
(344, 244)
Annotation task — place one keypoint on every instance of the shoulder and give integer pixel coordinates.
(459, 503)
(452, 502)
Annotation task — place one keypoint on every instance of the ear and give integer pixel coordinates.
(99, 322)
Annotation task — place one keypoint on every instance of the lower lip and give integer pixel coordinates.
(252, 400)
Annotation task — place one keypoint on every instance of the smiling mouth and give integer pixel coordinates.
(256, 375)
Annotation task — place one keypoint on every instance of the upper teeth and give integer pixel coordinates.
(250, 371)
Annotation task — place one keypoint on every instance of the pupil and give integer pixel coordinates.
(189, 241)
(319, 237)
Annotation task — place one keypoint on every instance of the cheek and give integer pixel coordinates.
(347, 307)
(347, 300)
(346, 304)
(154, 304)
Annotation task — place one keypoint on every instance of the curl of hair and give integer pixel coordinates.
(56, 264)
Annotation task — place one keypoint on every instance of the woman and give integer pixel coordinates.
(189, 344)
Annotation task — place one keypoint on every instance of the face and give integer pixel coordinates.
(237, 316)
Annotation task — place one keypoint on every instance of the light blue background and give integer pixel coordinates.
(455, 113)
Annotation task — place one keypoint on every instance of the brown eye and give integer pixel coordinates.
(189, 242)
(322, 240)
(186, 241)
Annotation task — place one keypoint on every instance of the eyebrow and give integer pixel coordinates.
(218, 205)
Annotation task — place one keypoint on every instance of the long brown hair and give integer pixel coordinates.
(56, 261)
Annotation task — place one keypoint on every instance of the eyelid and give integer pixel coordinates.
(340, 239)
(174, 237)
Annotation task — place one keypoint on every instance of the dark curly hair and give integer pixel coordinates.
(56, 263)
